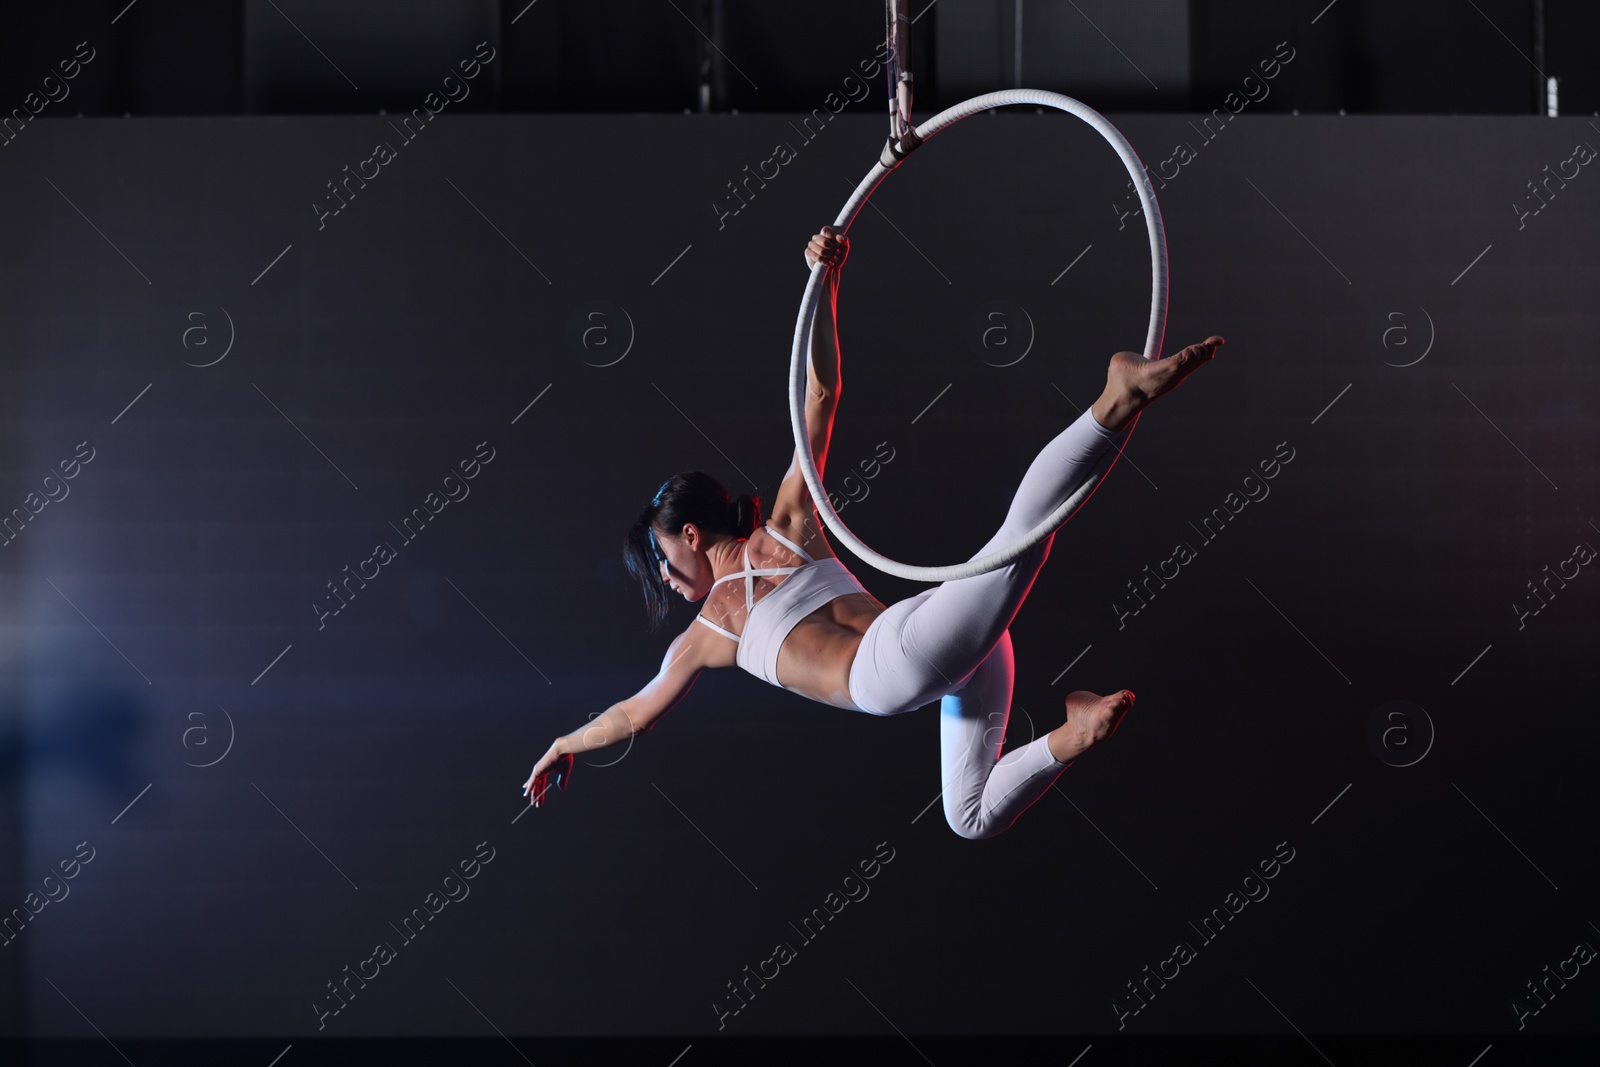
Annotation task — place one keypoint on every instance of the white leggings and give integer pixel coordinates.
(953, 643)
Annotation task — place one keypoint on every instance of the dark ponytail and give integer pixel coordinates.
(745, 513)
(694, 497)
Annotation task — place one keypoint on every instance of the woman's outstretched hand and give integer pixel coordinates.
(830, 247)
(554, 762)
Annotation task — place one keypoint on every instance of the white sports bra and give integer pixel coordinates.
(808, 587)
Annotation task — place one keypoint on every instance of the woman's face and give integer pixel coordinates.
(684, 566)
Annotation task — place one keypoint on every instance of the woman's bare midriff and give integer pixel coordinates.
(815, 657)
(814, 660)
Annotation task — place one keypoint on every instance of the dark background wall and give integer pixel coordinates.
(172, 589)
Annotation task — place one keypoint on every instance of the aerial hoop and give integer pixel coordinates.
(800, 355)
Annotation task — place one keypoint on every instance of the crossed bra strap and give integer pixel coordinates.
(749, 575)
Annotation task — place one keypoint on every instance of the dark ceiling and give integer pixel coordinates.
(220, 57)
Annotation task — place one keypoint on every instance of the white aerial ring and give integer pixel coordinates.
(800, 358)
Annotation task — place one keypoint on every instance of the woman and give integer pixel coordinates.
(779, 603)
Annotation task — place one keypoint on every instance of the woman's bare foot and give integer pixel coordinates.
(1091, 718)
(1133, 382)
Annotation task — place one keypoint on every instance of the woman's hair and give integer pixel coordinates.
(684, 498)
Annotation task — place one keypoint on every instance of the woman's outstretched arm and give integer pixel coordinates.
(684, 661)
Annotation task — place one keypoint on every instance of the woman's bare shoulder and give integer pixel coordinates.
(804, 530)
(712, 648)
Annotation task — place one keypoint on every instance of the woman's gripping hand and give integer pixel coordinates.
(830, 247)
